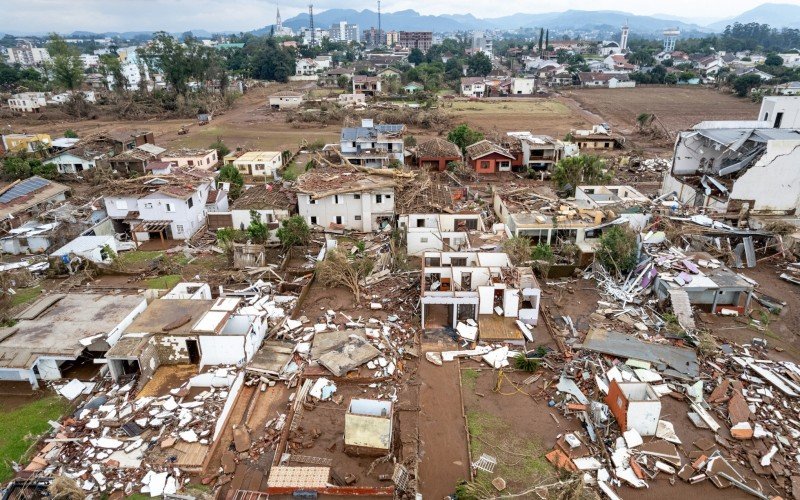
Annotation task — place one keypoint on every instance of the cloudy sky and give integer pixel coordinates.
(234, 15)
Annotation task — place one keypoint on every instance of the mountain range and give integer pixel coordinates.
(604, 21)
(774, 14)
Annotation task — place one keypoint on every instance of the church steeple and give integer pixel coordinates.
(278, 22)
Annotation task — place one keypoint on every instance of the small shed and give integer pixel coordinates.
(635, 405)
(285, 99)
(368, 427)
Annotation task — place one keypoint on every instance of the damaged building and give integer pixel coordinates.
(60, 331)
(187, 326)
(442, 232)
(477, 286)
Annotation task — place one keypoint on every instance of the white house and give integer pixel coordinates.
(76, 160)
(477, 286)
(306, 67)
(523, 86)
(99, 249)
(443, 232)
(259, 163)
(344, 198)
(162, 207)
(30, 238)
(473, 87)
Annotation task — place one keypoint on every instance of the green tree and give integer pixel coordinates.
(773, 60)
(618, 250)
(65, 64)
(453, 69)
(416, 56)
(257, 230)
(641, 58)
(518, 249)
(479, 64)
(582, 169)
(222, 149)
(463, 136)
(294, 231)
(343, 82)
(111, 66)
(70, 134)
(745, 83)
(230, 173)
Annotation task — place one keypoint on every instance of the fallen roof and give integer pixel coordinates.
(326, 181)
(57, 327)
(262, 197)
(170, 313)
(682, 362)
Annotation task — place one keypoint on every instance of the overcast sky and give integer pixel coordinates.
(235, 15)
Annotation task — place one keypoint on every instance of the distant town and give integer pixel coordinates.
(550, 256)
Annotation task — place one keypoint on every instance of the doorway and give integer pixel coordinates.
(194, 351)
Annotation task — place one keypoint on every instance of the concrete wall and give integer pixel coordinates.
(789, 106)
(222, 350)
(774, 181)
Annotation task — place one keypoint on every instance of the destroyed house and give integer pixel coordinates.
(21, 200)
(373, 145)
(368, 427)
(711, 288)
(61, 331)
(443, 232)
(271, 202)
(136, 159)
(598, 137)
(607, 196)
(367, 85)
(186, 326)
(478, 286)
(534, 152)
(165, 207)
(345, 198)
(735, 166)
(545, 220)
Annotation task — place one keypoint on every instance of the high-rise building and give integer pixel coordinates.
(391, 39)
(670, 38)
(481, 42)
(373, 37)
(623, 39)
(345, 32)
(421, 40)
(25, 54)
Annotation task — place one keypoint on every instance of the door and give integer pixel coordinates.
(778, 120)
(194, 351)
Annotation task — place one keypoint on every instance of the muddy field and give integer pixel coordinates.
(678, 108)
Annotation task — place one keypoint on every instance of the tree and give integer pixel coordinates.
(343, 82)
(230, 173)
(541, 41)
(257, 230)
(21, 167)
(111, 66)
(340, 268)
(416, 56)
(773, 60)
(294, 231)
(518, 249)
(65, 63)
(582, 169)
(463, 136)
(745, 83)
(479, 64)
(70, 134)
(641, 58)
(222, 149)
(453, 69)
(618, 249)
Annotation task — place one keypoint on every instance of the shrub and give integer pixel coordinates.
(618, 249)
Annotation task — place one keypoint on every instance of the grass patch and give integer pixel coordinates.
(20, 428)
(137, 257)
(520, 459)
(469, 377)
(543, 108)
(164, 282)
(25, 295)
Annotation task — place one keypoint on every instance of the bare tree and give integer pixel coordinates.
(342, 269)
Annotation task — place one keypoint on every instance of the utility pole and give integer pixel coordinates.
(380, 32)
(311, 22)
